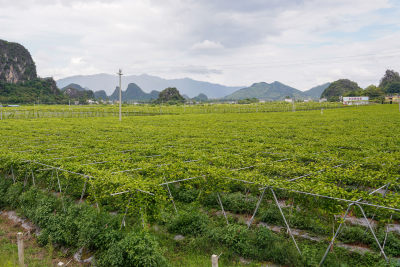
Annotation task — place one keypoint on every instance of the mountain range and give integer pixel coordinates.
(149, 83)
(134, 93)
(146, 87)
(275, 91)
(19, 83)
(75, 91)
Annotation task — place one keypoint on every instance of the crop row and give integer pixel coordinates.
(83, 111)
(341, 153)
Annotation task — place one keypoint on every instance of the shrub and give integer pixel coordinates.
(189, 223)
(13, 193)
(236, 237)
(271, 215)
(356, 234)
(97, 231)
(4, 185)
(260, 244)
(183, 194)
(234, 202)
(136, 249)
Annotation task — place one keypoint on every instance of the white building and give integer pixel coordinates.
(355, 100)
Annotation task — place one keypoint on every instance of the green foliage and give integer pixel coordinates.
(276, 146)
(184, 194)
(260, 244)
(362, 235)
(236, 237)
(248, 101)
(4, 185)
(374, 92)
(234, 202)
(170, 95)
(98, 230)
(392, 88)
(76, 93)
(340, 88)
(273, 91)
(100, 95)
(390, 77)
(32, 91)
(13, 193)
(189, 223)
(200, 98)
(83, 226)
(136, 249)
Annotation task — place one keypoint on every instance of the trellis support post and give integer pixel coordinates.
(59, 186)
(287, 225)
(372, 231)
(256, 209)
(33, 178)
(170, 195)
(222, 208)
(12, 174)
(336, 234)
(84, 189)
(126, 211)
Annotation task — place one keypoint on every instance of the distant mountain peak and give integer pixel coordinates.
(275, 91)
(74, 86)
(16, 63)
(148, 83)
(134, 93)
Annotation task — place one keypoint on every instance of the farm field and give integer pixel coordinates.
(160, 170)
(83, 111)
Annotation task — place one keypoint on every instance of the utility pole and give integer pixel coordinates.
(293, 104)
(120, 94)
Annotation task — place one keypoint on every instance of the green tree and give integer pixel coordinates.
(43, 90)
(389, 77)
(170, 95)
(392, 88)
(342, 87)
(373, 91)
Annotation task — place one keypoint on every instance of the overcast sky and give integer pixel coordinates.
(232, 42)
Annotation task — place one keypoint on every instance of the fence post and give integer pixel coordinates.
(214, 260)
(20, 241)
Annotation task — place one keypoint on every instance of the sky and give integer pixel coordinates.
(231, 42)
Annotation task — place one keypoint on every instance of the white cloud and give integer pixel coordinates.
(207, 45)
(301, 43)
(76, 61)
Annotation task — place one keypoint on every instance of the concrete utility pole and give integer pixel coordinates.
(293, 104)
(120, 94)
(214, 260)
(20, 242)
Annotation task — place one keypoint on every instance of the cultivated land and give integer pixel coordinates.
(222, 157)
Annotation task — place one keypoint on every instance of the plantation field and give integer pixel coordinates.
(317, 161)
(83, 111)
(143, 152)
